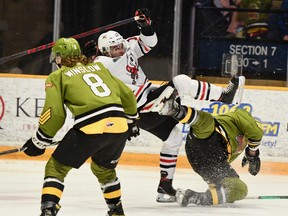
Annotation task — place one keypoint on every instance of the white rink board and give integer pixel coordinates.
(22, 99)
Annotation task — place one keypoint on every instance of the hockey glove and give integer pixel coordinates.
(133, 129)
(37, 144)
(252, 158)
(90, 49)
(144, 17)
(32, 149)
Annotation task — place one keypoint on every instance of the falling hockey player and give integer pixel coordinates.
(212, 144)
(121, 56)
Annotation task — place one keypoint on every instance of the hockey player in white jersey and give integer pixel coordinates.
(121, 56)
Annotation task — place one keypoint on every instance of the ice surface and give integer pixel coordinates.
(21, 184)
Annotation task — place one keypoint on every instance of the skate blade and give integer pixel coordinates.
(239, 93)
(165, 198)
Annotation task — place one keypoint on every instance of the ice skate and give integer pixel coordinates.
(49, 209)
(166, 192)
(47, 212)
(232, 94)
(115, 210)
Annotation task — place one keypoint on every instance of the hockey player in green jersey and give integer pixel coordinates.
(212, 144)
(102, 106)
(121, 56)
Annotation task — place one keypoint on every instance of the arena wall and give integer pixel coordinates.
(22, 99)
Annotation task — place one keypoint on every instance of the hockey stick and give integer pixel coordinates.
(267, 197)
(13, 150)
(22, 149)
(84, 34)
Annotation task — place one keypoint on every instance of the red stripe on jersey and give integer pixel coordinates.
(146, 48)
(132, 38)
(147, 107)
(203, 91)
(139, 90)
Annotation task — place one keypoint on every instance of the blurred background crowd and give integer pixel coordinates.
(207, 28)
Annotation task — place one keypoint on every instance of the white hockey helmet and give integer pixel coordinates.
(108, 39)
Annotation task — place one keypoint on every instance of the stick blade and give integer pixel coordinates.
(267, 197)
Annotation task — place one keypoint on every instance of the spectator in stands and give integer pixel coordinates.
(234, 24)
(274, 28)
(282, 21)
(255, 23)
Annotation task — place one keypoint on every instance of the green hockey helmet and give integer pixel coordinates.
(65, 47)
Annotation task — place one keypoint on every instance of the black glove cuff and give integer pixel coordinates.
(148, 30)
(31, 149)
(251, 157)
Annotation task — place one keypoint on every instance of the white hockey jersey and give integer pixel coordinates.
(127, 69)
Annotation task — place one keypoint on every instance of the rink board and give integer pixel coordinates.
(152, 160)
(22, 98)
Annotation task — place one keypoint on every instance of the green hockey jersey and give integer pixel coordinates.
(240, 129)
(94, 97)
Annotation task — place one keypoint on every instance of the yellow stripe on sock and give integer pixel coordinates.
(52, 191)
(112, 195)
(188, 116)
(215, 200)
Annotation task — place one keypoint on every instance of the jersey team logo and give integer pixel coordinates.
(241, 144)
(49, 85)
(109, 124)
(132, 67)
